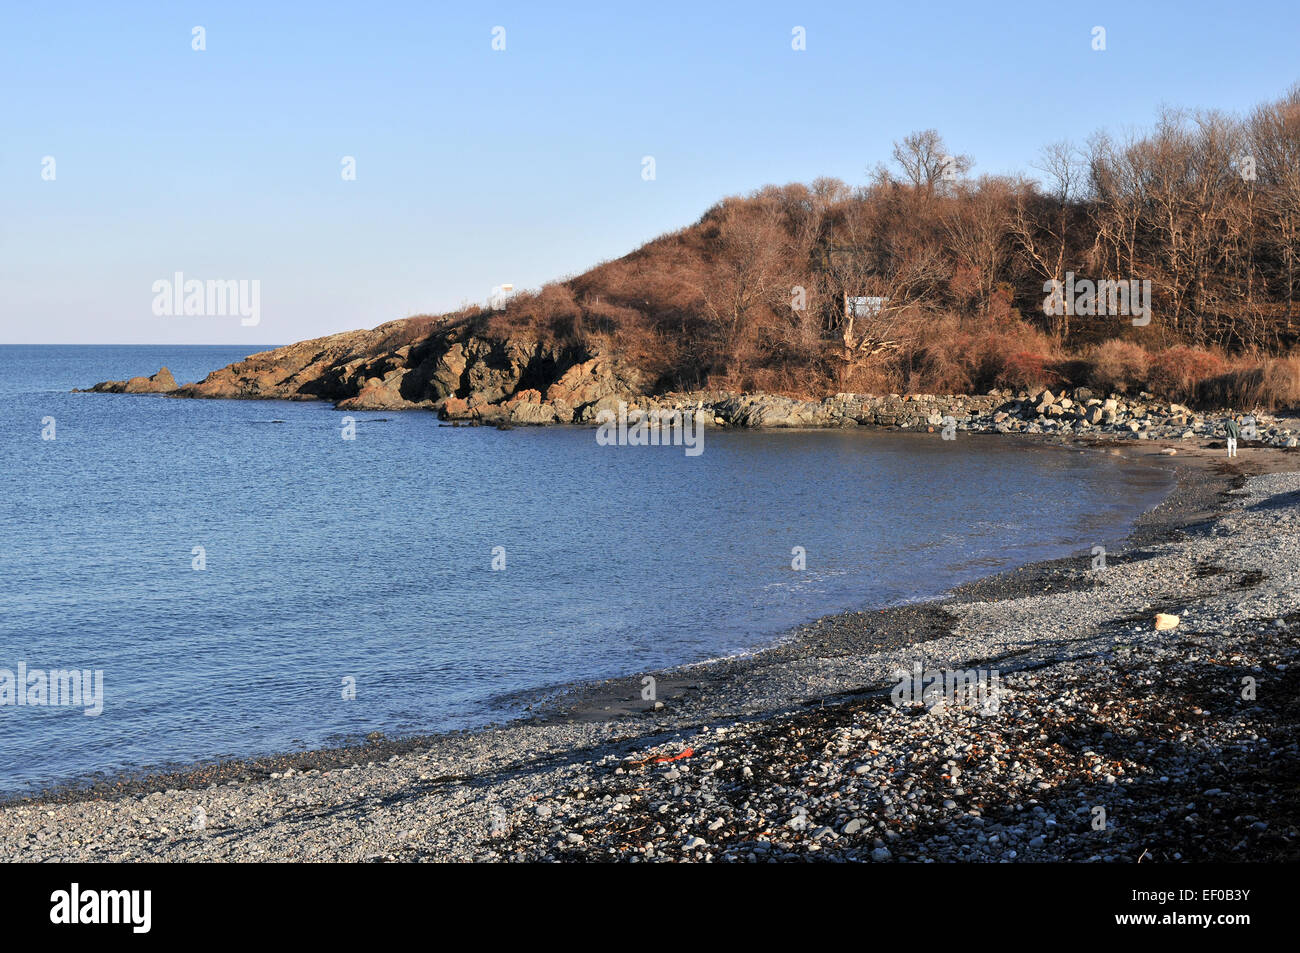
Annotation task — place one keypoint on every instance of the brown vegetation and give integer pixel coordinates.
(752, 297)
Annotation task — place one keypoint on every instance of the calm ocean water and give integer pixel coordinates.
(372, 559)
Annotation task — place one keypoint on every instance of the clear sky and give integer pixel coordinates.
(477, 166)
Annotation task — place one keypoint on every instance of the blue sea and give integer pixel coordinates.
(329, 564)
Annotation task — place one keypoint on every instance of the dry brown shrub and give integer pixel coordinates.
(1177, 372)
(1015, 356)
(1027, 370)
(1254, 383)
(1281, 385)
(1118, 367)
(876, 378)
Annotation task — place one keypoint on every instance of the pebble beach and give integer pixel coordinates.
(1108, 739)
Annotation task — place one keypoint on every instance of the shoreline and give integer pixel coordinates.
(833, 662)
(594, 392)
(582, 699)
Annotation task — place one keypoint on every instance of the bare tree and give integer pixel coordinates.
(978, 229)
(1275, 146)
(1041, 220)
(927, 162)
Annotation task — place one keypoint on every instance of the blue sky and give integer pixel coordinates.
(477, 167)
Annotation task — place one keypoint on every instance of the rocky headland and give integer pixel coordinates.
(465, 375)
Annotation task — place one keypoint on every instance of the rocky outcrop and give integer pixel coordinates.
(464, 373)
(456, 369)
(160, 383)
(366, 367)
(586, 389)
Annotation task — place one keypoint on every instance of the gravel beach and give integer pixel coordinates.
(1097, 736)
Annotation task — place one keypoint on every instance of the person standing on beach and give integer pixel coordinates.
(1233, 431)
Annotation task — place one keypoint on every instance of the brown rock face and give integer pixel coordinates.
(376, 395)
(457, 369)
(337, 367)
(160, 383)
(455, 408)
(526, 407)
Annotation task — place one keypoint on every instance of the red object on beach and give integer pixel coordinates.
(677, 757)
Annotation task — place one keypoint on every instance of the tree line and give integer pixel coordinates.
(1203, 205)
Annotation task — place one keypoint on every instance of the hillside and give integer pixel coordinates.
(1202, 212)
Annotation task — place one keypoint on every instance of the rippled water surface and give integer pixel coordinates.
(371, 559)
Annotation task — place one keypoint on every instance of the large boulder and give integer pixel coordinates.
(378, 394)
(527, 407)
(455, 408)
(588, 387)
(532, 414)
(767, 410)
